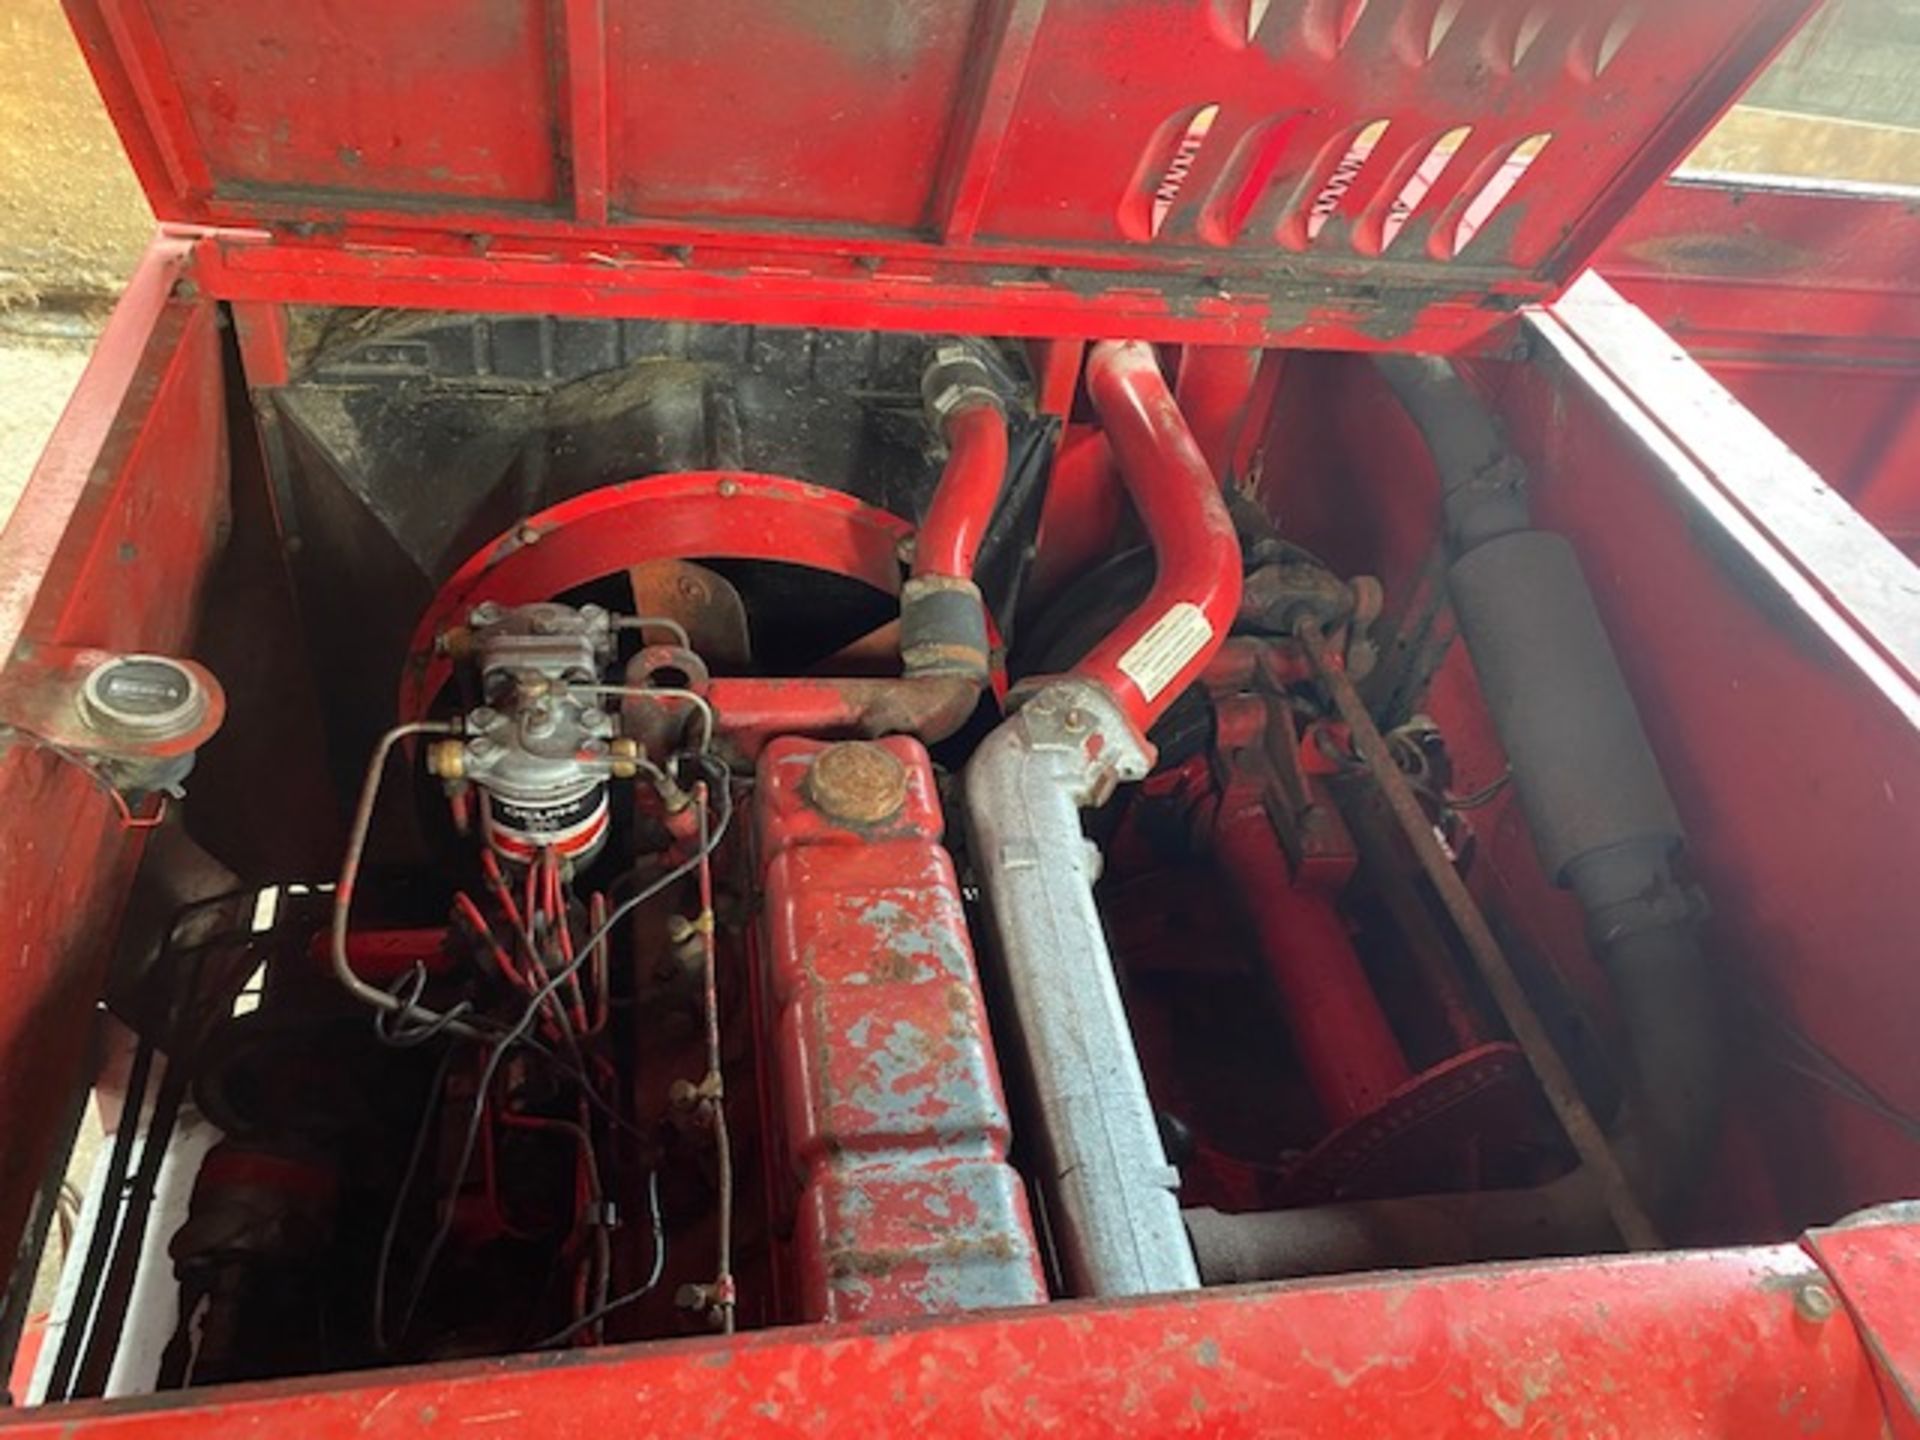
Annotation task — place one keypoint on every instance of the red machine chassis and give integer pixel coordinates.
(1777, 1340)
(546, 159)
(1714, 1342)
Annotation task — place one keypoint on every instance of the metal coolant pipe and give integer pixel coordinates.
(1110, 1190)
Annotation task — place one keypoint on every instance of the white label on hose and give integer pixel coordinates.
(1154, 660)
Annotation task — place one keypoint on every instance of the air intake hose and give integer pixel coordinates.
(1602, 819)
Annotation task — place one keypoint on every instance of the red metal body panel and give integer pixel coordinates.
(1777, 673)
(1874, 1262)
(895, 1130)
(1706, 1344)
(1306, 171)
(1804, 301)
(108, 546)
(1737, 266)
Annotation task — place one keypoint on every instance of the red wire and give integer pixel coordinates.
(597, 963)
(470, 912)
(559, 922)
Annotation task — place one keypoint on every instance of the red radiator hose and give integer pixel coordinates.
(956, 523)
(1152, 655)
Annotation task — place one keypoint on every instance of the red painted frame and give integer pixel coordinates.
(1803, 299)
(929, 169)
(107, 547)
(1609, 1347)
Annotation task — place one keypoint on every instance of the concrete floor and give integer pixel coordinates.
(72, 218)
(36, 376)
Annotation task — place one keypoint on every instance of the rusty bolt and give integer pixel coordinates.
(447, 759)
(857, 782)
(702, 1300)
(711, 1301)
(728, 489)
(701, 1095)
(1814, 1302)
(1075, 719)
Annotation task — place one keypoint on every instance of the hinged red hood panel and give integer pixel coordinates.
(1375, 156)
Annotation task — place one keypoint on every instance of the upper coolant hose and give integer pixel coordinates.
(1166, 641)
(943, 619)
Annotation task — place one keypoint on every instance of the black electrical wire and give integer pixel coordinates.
(129, 1240)
(108, 1222)
(1485, 795)
(640, 1292)
(105, 1225)
(130, 1235)
(420, 1134)
(397, 1028)
(1798, 1052)
(498, 1051)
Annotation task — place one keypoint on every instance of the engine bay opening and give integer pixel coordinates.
(847, 828)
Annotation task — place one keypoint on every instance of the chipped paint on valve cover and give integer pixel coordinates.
(895, 1129)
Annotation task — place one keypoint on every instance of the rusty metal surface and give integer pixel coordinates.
(1611, 1348)
(1873, 1260)
(1308, 171)
(701, 599)
(895, 1130)
(708, 514)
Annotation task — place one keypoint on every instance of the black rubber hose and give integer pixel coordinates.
(1596, 802)
(1482, 486)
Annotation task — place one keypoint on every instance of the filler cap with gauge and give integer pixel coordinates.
(135, 720)
(143, 698)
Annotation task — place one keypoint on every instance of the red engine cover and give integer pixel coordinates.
(893, 1123)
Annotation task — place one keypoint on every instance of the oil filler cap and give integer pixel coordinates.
(147, 698)
(857, 783)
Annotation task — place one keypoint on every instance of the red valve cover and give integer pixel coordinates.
(893, 1126)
